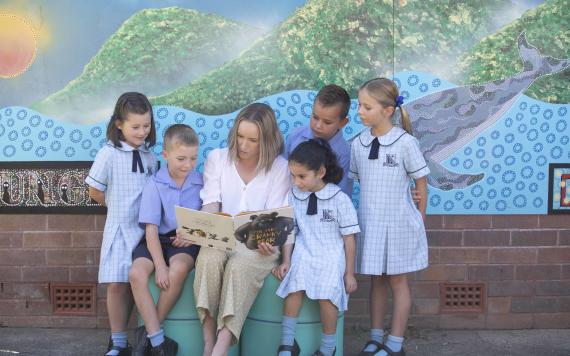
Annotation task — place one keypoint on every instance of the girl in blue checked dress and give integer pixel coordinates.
(393, 240)
(116, 180)
(322, 265)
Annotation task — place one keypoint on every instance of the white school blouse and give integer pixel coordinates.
(223, 184)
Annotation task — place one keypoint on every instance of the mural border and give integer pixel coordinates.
(58, 207)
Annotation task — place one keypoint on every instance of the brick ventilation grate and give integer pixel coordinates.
(73, 299)
(462, 297)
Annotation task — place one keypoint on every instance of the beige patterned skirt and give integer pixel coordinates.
(226, 285)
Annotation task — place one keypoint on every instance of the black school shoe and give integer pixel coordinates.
(393, 353)
(319, 353)
(123, 351)
(377, 345)
(142, 343)
(168, 348)
(294, 350)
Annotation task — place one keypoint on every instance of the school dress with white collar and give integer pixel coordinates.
(120, 172)
(393, 238)
(318, 262)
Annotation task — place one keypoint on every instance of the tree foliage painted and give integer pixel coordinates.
(344, 42)
(547, 28)
(155, 51)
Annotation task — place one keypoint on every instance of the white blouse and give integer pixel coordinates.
(223, 184)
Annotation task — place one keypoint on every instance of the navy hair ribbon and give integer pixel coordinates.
(399, 101)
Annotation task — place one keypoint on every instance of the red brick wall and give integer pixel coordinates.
(523, 260)
(39, 250)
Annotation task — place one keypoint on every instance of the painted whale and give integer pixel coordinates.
(445, 121)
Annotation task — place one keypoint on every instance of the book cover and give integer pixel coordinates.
(225, 232)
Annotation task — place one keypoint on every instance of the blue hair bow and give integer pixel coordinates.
(399, 101)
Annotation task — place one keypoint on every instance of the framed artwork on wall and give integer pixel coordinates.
(559, 188)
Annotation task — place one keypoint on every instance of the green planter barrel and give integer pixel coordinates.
(182, 323)
(261, 334)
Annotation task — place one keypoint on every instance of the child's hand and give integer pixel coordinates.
(176, 241)
(416, 196)
(349, 282)
(161, 277)
(265, 249)
(280, 271)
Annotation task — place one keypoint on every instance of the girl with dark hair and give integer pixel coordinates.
(116, 180)
(322, 265)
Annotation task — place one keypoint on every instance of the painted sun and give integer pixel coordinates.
(18, 45)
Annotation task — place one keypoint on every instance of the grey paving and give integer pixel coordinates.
(87, 342)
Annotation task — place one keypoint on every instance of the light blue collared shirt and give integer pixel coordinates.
(161, 194)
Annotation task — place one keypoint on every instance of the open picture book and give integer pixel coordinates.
(224, 232)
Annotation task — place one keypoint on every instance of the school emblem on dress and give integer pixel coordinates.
(391, 160)
(328, 215)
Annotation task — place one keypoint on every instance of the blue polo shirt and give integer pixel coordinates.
(161, 194)
(338, 144)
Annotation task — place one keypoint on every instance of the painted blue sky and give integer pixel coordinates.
(79, 28)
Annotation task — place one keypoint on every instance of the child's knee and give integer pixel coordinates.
(118, 288)
(180, 269)
(138, 275)
(297, 294)
(378, 281)
(326, 304)
(398, 281)
(295, 298)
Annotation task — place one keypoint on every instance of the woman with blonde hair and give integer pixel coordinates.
(248, 175)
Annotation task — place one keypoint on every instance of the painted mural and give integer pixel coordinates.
(486, 83)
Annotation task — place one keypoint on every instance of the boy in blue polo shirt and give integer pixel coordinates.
(177, 183)
(329, 116)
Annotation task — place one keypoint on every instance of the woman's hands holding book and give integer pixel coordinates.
(265, 249)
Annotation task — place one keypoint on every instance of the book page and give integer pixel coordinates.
(273, 226)
(206, 229)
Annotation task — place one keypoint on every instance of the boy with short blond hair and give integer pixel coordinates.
(177, 183)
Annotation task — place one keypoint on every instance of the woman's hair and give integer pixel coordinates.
(270, 138)
(135, 103)
(315, 154)
(179, 134)
(386, 94)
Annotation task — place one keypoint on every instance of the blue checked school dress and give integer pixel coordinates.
(393, 238)
(120, 172)
(318, 262)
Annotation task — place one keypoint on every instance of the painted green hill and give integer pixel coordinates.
(155, 51)
(345, 42)
(547, 28)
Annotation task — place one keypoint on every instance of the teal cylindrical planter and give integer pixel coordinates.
(182, 323)
(261, 334)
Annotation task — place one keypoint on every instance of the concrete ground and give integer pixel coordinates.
(87, 342)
